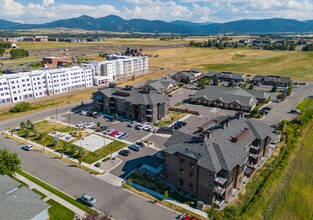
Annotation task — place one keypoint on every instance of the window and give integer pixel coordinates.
(181, 182)
(181, 170)
(210, 184)
(190, 186)
(182, 161)
(191, 175)
(192, 165)
(211, 173)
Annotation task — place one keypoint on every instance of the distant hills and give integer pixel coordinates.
(117, 24)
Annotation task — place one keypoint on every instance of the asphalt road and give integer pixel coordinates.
(122, 205)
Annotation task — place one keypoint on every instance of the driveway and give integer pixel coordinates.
(119, 203)
(145, 156)
(181, 95)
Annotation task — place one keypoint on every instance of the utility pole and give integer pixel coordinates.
(56, 114)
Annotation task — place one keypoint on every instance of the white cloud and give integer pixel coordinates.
(48, 2)
(11, 8)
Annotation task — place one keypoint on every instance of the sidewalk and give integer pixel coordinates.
(49, 195)
(55, 152)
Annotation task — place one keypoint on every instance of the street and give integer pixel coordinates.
(121, 204)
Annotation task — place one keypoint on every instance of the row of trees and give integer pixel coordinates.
(283, 46)
(215, 43)
(308, 47)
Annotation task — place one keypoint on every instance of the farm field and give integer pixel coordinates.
(295, 64)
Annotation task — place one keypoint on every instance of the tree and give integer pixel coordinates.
(2, 51)
(231, 83)
(22, 124)
(26, 133)
(166, 194)
(115, 116)
(18, 53)
(215, 81)
(28, 123)
(96, 217)
(55, 142)
(9, 162)
(274, 89)
(289, 90)
(20, 107)
(251, 86)
(98, 124)
(80, 155)
(133, 77)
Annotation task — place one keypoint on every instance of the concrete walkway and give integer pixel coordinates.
(50, 195)
(42, 148)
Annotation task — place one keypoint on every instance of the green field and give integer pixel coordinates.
(59, 212)
(295, 64)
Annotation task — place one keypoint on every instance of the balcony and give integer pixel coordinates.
(219, 190)
(254, 156)
(112, 102)
(149, 109)
(220, 180)
(218, 203)
(256, 148)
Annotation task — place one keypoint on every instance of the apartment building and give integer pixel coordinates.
(132, 103)
(116, 67)
(211, 165)
(25, 85)
(281, 81)
(226, 76)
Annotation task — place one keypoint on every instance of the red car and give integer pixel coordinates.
(114, 133)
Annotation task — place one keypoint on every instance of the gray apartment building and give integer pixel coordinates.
(271, 80)
(226, 76)
(132, 103)
(211, 165)
(229, 98)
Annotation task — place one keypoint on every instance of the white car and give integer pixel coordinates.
(90, 125)
(146, 128)
(83, 113)
(27, 147)
(119, 134)
(110, 131)
(81, 124)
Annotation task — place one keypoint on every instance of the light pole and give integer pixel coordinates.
(69, 119)
(56, 114)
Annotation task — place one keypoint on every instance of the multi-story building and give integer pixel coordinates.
(22, 86)
(116, 67)
(132, 103)
(271, 80)
(187, 76)
(211, 166)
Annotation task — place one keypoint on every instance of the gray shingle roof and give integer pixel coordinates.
(7, 184)
(160, 85)
(225, 75)
(230, 95)
(21, 204)
(135, 96)
(219, 152)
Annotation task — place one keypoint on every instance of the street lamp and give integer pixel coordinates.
(69, 119)
(56, 114)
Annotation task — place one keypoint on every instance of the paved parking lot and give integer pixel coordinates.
(180, 95)
(145, 156)
(134, 135)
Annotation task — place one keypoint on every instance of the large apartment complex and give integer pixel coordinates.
(22, 86)
(211, 165)
(116, 67)
(132, 103)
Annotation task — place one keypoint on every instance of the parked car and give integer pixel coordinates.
(146, 128)
(114, 133)
(110, 131)
(169, 95)
(119, 134)
(81, 124)
(141, 144)
(139, 127)
(160, 155)
(183, 123)
(124, 135)
(96, 114)
(89, 200)
(296, 111)
(179, 125)
(83, 113)
(175, 126)
(132, 124)
(15, 129)
(266, 109)
(102, 128)
(135, 147)
(277, 100)
(90, 125)
(124, 152)
(27, 147)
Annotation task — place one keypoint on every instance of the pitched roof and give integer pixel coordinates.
(21, 203)
(219, 151)
(225, 75)
(134, 96)
(7, 184)
(230, 95)
(160, 85)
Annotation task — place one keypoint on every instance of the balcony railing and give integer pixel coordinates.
(149, 109)
(255, 156)
(255, 147)
(218, 203)
(219, 190)
(220, 180)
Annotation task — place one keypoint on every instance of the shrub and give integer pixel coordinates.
(21, 107)
(97, 164)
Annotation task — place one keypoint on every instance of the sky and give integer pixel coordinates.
(41, 11)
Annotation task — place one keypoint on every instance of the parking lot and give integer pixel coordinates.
(180, 95)
(145, 156)
(134, 134)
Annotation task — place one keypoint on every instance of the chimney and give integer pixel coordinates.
(239, 115)
(225, 124)
(203, 137)
(208, 134)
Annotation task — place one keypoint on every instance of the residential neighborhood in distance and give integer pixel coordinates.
(148, 110)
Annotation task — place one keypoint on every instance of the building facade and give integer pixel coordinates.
(210, 166)
(226, 76)
(22, 86)
(131, 103)
(116, 67)
(271, 80)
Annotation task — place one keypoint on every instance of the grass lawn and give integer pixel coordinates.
(59, 212)
(173, 116)
(305, 103)
(68, 148)
(104, 151)
(295, 64)
(58, 193)
(39, 193)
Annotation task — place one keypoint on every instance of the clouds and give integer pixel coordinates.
(168, 10)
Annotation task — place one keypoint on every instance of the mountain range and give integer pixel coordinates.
(117, 24)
